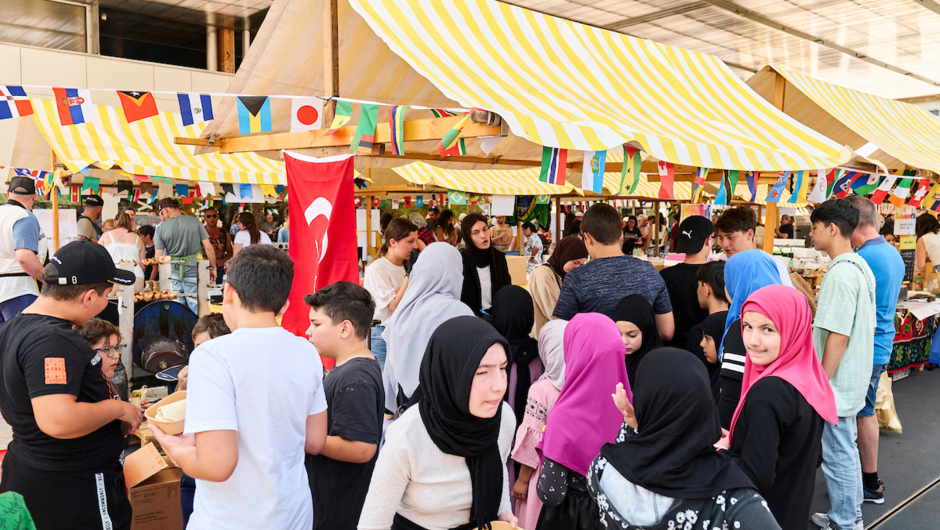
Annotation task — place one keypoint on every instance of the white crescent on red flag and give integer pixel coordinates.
(323, 245)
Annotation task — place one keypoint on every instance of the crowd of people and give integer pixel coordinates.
(607, 394)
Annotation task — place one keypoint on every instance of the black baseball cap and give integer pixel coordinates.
(94, 200)
(693, 232)
(22, 186)
(84, 262)
(434, 209)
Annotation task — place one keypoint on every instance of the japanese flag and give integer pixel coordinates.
(306, 114)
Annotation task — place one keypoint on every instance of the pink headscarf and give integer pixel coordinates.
(797, 363)
(584, 417)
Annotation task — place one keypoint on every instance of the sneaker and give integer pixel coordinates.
(821, 519)
(875, 496)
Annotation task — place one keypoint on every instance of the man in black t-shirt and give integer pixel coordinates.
(786, 228)
(340, 320)
(695, 241)
(66, 458)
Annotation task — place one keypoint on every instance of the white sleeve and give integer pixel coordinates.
(210, 394)
(389, 481)
(380, 286)
(243, 238)
(318, 404)
(506, 432)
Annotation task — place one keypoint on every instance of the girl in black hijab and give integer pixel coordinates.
(704, 340)
(456, 442)
(513, 317)
(637, 322)
(664, 471)
(483, 265)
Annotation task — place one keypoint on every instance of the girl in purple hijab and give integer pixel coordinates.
(583, 420)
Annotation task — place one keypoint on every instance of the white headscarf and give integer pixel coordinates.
(551, 351)
(432, 297)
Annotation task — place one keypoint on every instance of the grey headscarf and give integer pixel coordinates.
(432, 297)
(551, 350)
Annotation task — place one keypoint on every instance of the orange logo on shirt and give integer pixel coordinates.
(55, 371)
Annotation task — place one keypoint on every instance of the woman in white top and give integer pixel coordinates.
(248, 233)
(386, 278)
(125, 246)
(928, 242)
(443, 464)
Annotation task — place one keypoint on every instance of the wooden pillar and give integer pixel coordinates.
(330, 57)
(771, 218)
(226, 50)
(202, 287)
(656, 228)
(519, 236)
(55, 207)
(126, 325)
(557, 220)
(368, 225)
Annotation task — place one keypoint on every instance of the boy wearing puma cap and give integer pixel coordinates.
(67, 454)
(695, 241)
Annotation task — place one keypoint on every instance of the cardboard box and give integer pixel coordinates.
(517, 269)
(154, 490)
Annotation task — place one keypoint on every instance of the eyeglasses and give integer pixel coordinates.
(110, 351)
(210, 216)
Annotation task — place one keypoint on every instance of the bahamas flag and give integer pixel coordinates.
(254, 114)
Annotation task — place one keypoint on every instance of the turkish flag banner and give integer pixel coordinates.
(323, 246)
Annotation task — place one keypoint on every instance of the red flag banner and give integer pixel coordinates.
(320, 195)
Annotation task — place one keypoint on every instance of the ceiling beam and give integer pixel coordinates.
(929, 4)
(761, 19)
(680, 9)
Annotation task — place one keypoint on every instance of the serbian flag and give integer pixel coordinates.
(73, 105)
(14, 102)
(554, 165)
(194, 108)
(923, 186)
(884, 189)
(322, 229)
(666, 177)
(137, 105)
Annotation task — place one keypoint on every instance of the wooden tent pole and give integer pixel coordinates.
(770, 220)
(55, 205)
(368, 200)
(557, 219)
(656, 228)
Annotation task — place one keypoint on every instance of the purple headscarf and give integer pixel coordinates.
(584, 417)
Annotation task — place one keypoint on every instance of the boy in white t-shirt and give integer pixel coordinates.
(255, 405)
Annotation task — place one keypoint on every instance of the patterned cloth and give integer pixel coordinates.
(13, 513)
(912, 341)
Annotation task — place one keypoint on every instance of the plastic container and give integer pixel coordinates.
(173, 427)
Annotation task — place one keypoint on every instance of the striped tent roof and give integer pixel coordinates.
(484, 181)
(902, 134)
(146, 147)
(570, 85)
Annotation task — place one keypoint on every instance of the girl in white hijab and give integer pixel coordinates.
(432, 297)
(542, 396)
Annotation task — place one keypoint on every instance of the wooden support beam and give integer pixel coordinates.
(226, 50)
(330, 57)
(770, 220)
(415, 131)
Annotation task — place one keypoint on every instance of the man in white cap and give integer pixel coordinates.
(20, 265)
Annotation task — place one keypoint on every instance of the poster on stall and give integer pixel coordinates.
(68, 225)
(705, 210)
(905, 221)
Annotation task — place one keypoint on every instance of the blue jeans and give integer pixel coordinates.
(184, 287)
(12, 307)
(843, 472)
(869, 409)
(378, 345)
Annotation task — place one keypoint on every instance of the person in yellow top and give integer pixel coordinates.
(501, 235)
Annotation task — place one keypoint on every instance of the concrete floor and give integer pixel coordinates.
(908, 461)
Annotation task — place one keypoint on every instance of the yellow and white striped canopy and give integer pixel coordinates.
(483, 181)
(563, 84)
(902, 130)
(146, 147)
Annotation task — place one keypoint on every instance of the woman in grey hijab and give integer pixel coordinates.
(432, 297)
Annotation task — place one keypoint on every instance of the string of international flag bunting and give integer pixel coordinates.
(74, 106)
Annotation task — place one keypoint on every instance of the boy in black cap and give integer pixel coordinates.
(66, 458)
(20, 235)
(88, 228)
(695, 241)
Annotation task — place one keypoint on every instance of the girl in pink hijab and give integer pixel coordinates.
(777, 427)
(583, 419)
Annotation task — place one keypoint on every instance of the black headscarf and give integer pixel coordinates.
(637, 310)
(483, 257)
(568, 249)
(713, 326)
(513, 317)
(450, 362)
(673, 454)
